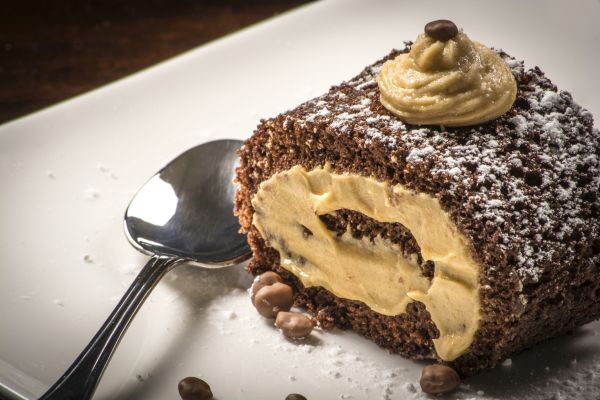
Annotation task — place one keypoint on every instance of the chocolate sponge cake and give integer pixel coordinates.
(451, 241)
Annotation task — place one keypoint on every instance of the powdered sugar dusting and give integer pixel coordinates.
(345, 117)
(529, 177)
(349, 366)
(417, 154)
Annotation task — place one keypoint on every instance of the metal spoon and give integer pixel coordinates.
(182, 214)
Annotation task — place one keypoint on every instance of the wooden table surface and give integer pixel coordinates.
(53, 50)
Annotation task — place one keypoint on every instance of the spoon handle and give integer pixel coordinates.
(80, 380)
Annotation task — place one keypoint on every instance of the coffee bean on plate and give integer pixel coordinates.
(269, 300)
(438, 379)
(294, 325)
(192, 388)
(294, 396)
(441, 29)
(265, 279)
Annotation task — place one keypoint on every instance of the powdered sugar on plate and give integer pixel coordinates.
(338, 364)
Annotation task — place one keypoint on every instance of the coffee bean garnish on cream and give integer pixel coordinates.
(294, 325)
(441, 30)
(438, 379)
(192, 388)
(294, 396)
(266, 279)
(269, 300)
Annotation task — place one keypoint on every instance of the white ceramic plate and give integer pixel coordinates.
(68, 172)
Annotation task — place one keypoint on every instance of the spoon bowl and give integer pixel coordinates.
(184, 213)
(185, 210)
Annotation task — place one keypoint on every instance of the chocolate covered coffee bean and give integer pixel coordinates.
(265, 279)
(269, 300)
(294, 325)
(441, 29)
(438, 379)
(192, 388)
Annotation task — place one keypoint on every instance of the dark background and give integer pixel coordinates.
(53, 50)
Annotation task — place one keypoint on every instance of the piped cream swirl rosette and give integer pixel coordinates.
(456, 82)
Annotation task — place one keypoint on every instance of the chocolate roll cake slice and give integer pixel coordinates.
(443, 203)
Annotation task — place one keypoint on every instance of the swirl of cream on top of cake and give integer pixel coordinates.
(456, 82)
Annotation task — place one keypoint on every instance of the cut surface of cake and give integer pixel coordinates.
(462, 233)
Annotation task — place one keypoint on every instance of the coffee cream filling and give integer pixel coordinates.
(287, 209)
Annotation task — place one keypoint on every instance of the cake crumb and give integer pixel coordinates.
(230, 315)
(507, 362)
(91, 194)
(87, 258)
(410, 388)
(129, 269)
(102, 168)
